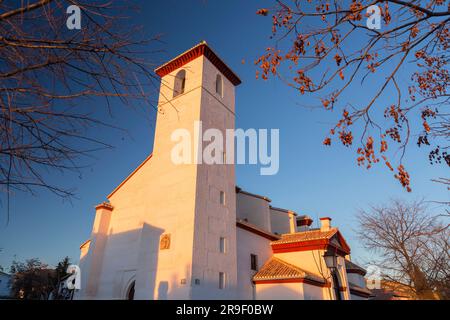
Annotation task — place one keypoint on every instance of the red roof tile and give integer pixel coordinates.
(277, 269)
(306, 236)
(201, 49)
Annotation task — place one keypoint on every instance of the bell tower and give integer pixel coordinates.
(193, 204)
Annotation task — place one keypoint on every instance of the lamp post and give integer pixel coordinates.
(331, 263)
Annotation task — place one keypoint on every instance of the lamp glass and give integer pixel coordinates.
(330, 260)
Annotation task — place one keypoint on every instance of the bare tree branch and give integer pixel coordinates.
(50, 76)
(412, 246)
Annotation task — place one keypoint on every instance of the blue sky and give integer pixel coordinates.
(312, 179)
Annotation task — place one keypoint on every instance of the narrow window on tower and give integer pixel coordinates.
(219, 85)
(222, 279)
(222, 245)
(180, 82)
(222, 198)
(254, 262)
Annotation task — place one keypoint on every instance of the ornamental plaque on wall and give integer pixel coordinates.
(164, 243)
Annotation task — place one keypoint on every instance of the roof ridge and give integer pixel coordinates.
(203, 42)
(194, 52)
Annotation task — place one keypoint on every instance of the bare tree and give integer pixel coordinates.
(325, 48)
(51, 79)
(413, 247)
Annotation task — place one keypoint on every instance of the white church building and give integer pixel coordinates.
(185, 231)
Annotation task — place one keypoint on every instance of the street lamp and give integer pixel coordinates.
(330, 260)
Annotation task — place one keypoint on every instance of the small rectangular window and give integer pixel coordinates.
(180, 83)
(219, 85)
(254, 262)
(222, 245)
(222, 198)
(222, 279)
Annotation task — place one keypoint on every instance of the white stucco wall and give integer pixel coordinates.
(181, 200)
(281, 221)
(279, 291)
(312, 261)
(214, 220)
(312, 292)
(289, 291)
(254, 209)
(249, 243)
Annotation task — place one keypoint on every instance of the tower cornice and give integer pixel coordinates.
(200, 49)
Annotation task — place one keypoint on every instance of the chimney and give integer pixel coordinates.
(303, 222)
(325, 224)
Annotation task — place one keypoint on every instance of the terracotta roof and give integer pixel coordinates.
(310, 235)
(312, 240)
(352, 267)
(200, 49)
(277, 269)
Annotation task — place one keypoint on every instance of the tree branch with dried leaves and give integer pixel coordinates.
(325, 49)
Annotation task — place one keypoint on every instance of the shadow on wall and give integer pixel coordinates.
(126, 264)
(147, 260)
(110, 268)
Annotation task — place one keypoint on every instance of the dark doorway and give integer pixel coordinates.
(130, 294)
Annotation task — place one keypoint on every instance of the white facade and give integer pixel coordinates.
(249, 243)
(184, 231)
(289, 291)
